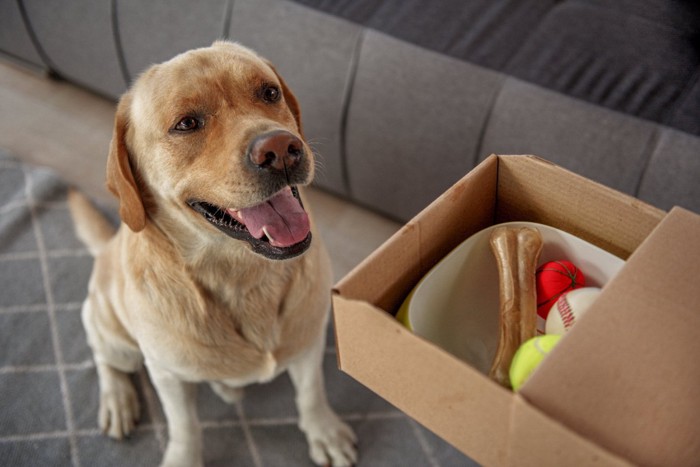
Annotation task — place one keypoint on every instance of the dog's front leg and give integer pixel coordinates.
(178, 399)
(330, 439)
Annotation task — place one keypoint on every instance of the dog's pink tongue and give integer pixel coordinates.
(281, 218)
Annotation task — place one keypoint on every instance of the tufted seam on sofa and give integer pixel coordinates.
(347, 100)
(116, 36)
(648, 154)
(228, 17)
(478, 156)
(34, 38)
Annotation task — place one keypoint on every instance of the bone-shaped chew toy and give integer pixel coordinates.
(517, 251)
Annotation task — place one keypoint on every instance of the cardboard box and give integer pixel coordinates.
(623, 387)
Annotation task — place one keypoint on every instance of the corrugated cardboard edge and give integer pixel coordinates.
(472, 415)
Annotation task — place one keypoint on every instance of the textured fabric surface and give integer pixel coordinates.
(401, 89)
(676, 153)
(155, 31)
(636, 57)
(83, 51)
(49, 386)
(611, 56)
(14, 37)
(393, 126)
(686, 117)
(587, 139)
(483, 32)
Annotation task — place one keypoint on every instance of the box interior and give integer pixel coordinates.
(500, 189)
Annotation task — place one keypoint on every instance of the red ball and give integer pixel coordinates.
(554, 279)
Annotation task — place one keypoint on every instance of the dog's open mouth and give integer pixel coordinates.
(277, 228)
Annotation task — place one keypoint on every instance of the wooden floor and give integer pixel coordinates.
(55, 124)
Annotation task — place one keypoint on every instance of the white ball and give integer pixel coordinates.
(569, 308)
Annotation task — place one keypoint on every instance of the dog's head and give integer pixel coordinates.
(210, 143)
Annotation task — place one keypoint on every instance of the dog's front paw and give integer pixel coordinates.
(331, 441)
(119, 407)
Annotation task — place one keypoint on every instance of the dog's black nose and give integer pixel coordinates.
(277, 150)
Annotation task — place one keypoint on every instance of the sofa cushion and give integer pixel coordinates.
(14, 36)
(673, 174)
(639, 57)
(155, 31)
(618, 59)
(414, 123)
(597, 143)
(686, 115)
(78, 50)
(483, 32)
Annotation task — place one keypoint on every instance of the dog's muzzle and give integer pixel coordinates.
(277, 228)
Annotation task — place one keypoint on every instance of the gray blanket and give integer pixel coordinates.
(48, 384)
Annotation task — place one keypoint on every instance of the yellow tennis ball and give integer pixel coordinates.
(528, 357)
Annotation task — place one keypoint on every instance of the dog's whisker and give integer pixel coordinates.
(320, 167)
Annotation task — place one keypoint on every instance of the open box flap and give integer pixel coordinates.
(626, 376)
(537, 440)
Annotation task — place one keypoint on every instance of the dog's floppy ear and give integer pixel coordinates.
(120, 178)
(290, 99)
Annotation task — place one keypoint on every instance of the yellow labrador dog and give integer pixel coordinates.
(216, 273)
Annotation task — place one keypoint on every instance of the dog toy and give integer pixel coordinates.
(517, 252)
(529, 356)
(569, 308)
(553, 279)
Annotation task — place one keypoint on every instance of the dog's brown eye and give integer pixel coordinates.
(187, 124)
(271, 94)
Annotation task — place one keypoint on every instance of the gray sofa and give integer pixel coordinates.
(401, 98)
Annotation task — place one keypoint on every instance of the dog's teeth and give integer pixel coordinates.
(267, 234)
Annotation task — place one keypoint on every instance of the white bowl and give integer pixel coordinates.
(456, 305)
